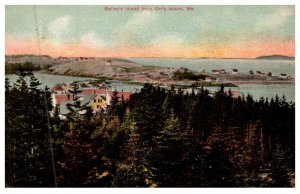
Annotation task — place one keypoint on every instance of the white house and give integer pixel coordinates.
(108, 63)
(222, 71)
(208, 79)
(235, 71)
(283, 76)
(215, 71)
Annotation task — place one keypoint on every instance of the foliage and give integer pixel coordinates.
(158, 138)
(19, 67)
(27, 140)
(181, 75)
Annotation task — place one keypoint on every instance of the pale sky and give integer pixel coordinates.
(206, 31)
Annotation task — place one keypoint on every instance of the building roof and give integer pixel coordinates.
(58, 98)
(86, 91)
(88, 98)
(104, 86)
(63, 107)
(103, 96)
(87, 95)
(57, 87)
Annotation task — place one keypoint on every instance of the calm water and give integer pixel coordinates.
(52, 80)
(266, 91)
(256, 91)
(243, 65)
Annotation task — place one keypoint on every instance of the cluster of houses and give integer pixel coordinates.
(76, 58)
(234, 93)
(98, 98)
(282, 76)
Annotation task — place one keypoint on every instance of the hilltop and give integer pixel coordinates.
(106, 67)
(34, 59)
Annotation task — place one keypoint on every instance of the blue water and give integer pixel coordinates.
(266, 91)
(51, 80)
(243, 65)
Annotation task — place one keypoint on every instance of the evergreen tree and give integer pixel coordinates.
(134, 170)
(27, 135)
(168, 157)
(279, 170)
(158, 138)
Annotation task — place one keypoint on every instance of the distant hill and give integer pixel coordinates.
(35, 59)
(28, 56)
(275, 57)
(98, 67)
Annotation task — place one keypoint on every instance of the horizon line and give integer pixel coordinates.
(154, 56)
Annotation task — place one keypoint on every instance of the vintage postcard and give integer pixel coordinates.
(199, 96)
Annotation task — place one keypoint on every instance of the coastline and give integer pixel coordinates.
(259, 82)
(185, 83)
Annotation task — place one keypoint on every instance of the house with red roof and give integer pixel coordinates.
(102, 96)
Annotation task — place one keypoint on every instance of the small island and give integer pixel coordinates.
(275, 57)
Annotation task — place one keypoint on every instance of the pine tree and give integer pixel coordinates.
(218, 168)
(115, 102)
(134, 170)
(148, 113)
(168, 156)
(75, 91)
(27, 135)
(279, 170)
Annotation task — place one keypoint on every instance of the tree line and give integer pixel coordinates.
(14, 68)
(158, 138)
(186, 74)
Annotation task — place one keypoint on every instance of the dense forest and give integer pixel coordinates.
(159, 138)
(13, 68)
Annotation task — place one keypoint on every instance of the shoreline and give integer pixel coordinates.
(185, 83)
(259, 82)
(189, 82)
(273, 87)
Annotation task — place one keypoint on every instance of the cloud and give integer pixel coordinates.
(171, 40)
(141, 18)
(59, 27)
(133, 30)
(201, 20)
(169, 45)
(275, 20)
(91, 38)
